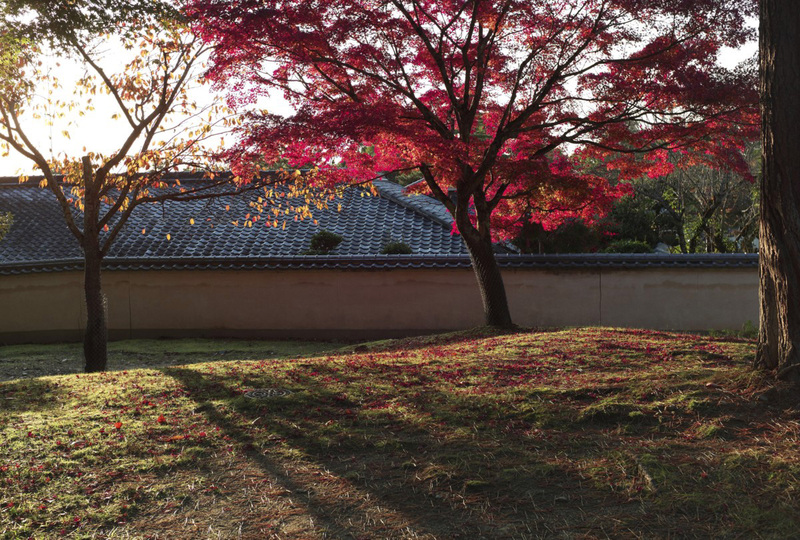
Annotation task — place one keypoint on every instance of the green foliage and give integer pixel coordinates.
(701, 209)
(633, 218)
(627, 246)
(572, 236)
(6, 220)
(747, 331)
(694, 209)
(65, 21)
(397, 248)
(404, 178)
(323, 242)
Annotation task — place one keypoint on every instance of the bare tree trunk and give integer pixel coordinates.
(490, 282)
(96, 337)
(484, 264)
(779, 240)
(95, 340)
(479, 244)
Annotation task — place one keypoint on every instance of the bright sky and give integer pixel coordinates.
(97, 132)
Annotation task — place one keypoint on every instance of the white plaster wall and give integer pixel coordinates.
(351, 304)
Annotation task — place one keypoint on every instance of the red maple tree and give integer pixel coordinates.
(491, 98)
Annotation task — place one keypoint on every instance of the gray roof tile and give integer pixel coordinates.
(367, 223)
(39, 241)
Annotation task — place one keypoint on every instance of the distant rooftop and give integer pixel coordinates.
(39, 241)
(165, 231)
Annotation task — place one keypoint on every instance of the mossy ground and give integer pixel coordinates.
(580, 433)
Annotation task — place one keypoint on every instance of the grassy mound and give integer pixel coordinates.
(578, 433)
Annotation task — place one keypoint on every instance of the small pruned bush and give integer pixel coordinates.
(6, 220)
(397, 248)
(628, 246)
(324, 242)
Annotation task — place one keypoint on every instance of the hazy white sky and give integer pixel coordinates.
(97, 132)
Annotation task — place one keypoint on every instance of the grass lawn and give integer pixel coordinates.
(581, 433)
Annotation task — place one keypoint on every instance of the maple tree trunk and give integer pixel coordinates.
(490, 281)
(95, 340)
(779, 238)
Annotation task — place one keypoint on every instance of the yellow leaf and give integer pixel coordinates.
(144, 231)
(191, 221)
(169, 237)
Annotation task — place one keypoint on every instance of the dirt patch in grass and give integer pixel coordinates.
(583, 433)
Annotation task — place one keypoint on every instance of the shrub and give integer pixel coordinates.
(324, 242)
(628, 246)
(5, 223)
(396, 248)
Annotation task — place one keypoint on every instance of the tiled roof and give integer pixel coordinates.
(630, 261)
(366, 223)
(422, 204)
(580, 262)
(40, 242)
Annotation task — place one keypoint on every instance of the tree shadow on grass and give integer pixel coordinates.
(437, 475)
(29, 395)
(426, 341)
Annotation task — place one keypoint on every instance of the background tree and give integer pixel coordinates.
(161, 129)
(59, 22)
(704, 209)
(779, 240)
(480, 95)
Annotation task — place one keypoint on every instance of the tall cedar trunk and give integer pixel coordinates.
(779, 240)
(96, 337)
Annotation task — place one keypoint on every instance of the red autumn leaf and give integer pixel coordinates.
(161, 419)
(118, 425)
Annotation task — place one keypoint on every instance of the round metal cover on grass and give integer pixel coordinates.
(266, 393)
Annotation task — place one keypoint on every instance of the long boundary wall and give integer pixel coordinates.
(353, 304)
